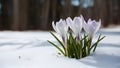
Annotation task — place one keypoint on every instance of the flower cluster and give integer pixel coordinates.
(74, 43)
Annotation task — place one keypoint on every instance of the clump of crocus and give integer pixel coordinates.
(74, 44)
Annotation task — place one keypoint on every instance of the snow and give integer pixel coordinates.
(30, 49)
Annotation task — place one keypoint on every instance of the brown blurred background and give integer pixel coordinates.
(38, 14)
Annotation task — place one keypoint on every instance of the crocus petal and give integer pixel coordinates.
(89, 22)
(56, 28)
(77, 22)
(69, 22)
(77, 25)
(95, 26)
(91, 27)
(82, 19)
(85, 26)
(61, 28)
(98, 25)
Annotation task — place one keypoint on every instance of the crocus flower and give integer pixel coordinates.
(75, 25)
(61, 28)
(91, 27)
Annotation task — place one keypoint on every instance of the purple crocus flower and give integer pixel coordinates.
(61, 28)
(75, 25)
(91, 27)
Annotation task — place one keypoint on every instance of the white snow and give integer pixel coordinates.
(30, 49)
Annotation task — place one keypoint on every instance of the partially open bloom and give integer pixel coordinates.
(61, 28)
(75, 25)
(91, 27)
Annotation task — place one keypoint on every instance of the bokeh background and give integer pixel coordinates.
(39, 14)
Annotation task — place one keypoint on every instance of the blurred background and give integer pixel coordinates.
(38, 14)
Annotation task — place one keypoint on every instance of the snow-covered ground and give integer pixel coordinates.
(30, 49)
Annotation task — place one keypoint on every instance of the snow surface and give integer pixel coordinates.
(30, 49)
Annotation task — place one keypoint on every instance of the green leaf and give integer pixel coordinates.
(58, 41)
(57, 47)
(96, 43)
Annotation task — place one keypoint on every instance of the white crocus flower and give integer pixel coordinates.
(91, 27)
(75, 25)
(61, 28)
